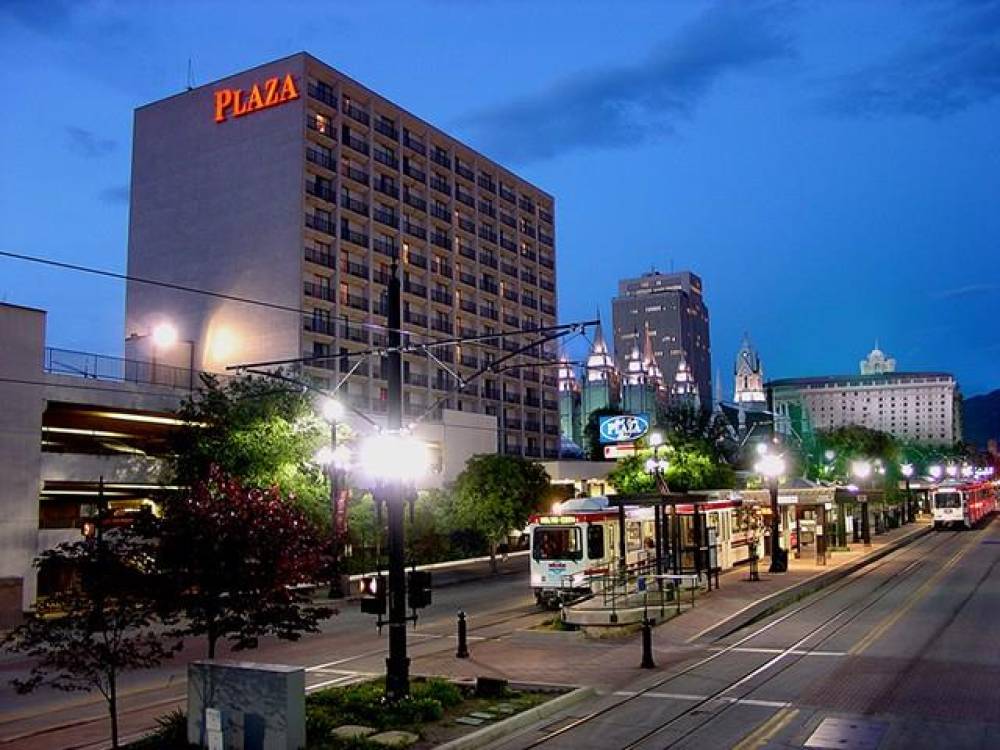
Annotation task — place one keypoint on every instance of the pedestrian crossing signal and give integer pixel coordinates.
(373, 590)
(418, 589)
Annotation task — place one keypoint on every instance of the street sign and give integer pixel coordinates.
(619, 451)
(623, 428)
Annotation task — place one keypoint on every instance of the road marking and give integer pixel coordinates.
(883, 627)
(798, 652)
(699, 698)
(768, 730)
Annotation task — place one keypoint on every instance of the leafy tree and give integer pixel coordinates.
(235, 557)
(695, 429)
(496, 493)
(105, 623)
(630, 477)
(689, 469)
(592, 446)
(262, 431)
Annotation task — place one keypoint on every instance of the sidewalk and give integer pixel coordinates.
(568, 657)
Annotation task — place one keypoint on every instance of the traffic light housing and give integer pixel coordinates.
(373, 590)
(418, 589)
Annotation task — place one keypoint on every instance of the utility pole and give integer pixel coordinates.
(397, 675)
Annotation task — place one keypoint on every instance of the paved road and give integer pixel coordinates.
(348, 648)
(903, 654)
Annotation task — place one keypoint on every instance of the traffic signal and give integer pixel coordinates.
(373, 595)
(418, 589)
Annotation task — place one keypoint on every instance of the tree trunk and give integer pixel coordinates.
(493, 558)
(113, 706)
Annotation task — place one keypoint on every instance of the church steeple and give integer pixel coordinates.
(749, 375)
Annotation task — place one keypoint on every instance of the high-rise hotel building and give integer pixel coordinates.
(294, 185)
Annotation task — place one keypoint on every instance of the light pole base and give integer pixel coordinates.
(779, 561)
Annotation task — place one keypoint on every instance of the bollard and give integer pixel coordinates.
(647, 645)
(463, 646)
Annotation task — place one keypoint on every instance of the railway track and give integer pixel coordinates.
(880, 591)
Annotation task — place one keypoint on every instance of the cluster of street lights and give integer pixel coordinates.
(771, 466)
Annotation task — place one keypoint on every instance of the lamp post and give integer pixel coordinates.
(907, 471)
(771, 466)
(657, 468)
(862, 470)
(336, 459)
(164, 336)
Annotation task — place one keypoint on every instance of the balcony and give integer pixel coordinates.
(467, 331)
(414, 229)
(529, 301)
(488, 209)
(491, 393)
(550, 404)
(440, 185)
(320, 258)
(546, 261)
(527, 229)
(386, 187)
(356, 113)
(441, 213)
(321, 224)
(381, 276)
(414, 288)
(529, 277)
(411, 199)
(530, 375)
(545, 216)
(358, 144)
(510, 345)
(526, 204)
(464, 198)
(321, 92)
(467, 278)
(466, 225)
(356, 301)
(355, 205)
(545, 239)
(358, 175)
(442, 325)
(533, 451)
(386, 128)
(507, 244)
(416, 378)
(359, 270)
(489, 286)
(512, 423)
(510, 294)
(508, 269)
(324, 159)
(318, 291)
(508, 220)
(319, 190)
(532, 426)
(318, 324)
(467, 252)
(489, 312)
(548, 309)
(487, 234)
(464, 171)
(508, 195)
(415, 172)
(550, 380)
(469, 306)
(384, 157)
(486, 182)
(358, 238)
(389, 218)
(547, 285)
(532, 401)
(417, 319)
(386, 247)
(512, 320)
(416, 259)
(441, 296)
(512, 398)
(488, 259)
(412, 143)
(441, 158)
(469, 360)
(440, 239)
(529, 254)
(443, 269)
(321, 125)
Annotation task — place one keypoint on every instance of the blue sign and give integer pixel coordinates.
(623, 428)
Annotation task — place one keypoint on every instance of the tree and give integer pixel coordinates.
(592, 446)
(693, 428)
(105, 623)
(495, 494)
(690, 468)
(235, 556)
(265, 432)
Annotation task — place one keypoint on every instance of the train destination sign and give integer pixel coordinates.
(623, 428)
(239, 102)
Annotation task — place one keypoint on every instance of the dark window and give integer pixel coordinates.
(595, 542)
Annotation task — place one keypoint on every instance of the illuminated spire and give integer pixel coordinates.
(599, 363)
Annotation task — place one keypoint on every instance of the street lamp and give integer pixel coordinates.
(907, 471)
(935, 471)
(951, 470)
(771, 466)
(164, 336)
(336, 459)
(862, 470)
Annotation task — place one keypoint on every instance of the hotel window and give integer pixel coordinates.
(321, 124)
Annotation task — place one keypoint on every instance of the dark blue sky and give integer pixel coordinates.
(832, 170)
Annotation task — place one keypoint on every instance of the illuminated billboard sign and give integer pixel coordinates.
(239, 102)
(623, 428)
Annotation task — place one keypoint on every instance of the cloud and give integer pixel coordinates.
(115, 195)
(621, 106)
(965, 291)
(88, 144)
(952, 65)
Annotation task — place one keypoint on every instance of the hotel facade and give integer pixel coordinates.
(293, 185)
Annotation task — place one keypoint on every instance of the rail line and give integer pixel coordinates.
(889, 559)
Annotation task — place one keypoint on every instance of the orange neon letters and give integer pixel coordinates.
(237, 102)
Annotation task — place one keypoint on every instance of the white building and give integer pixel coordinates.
(922, 407)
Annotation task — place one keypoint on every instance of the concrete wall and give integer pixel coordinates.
(219, 206)
(22, 332)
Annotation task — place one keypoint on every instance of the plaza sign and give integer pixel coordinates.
(623, 428)
(238, 102)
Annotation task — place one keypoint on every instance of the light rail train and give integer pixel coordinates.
(963, 504)
(579, 541)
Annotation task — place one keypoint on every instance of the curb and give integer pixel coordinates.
(781, 599)
(484, 736)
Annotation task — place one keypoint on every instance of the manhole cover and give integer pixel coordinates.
(848, 734)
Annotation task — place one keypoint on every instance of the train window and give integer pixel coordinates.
(557, 544)
(595, 541)
(948, 500)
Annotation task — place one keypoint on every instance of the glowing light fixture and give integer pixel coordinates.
(655, 439)
(333, 410)
(935, 471)
(770, 466)
(394, 456)
(164, 335)
(906, 470)
(861, 469)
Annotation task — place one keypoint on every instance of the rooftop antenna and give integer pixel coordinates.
(190, 78)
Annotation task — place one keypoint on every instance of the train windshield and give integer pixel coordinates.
(557, 544)
(948, 500)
